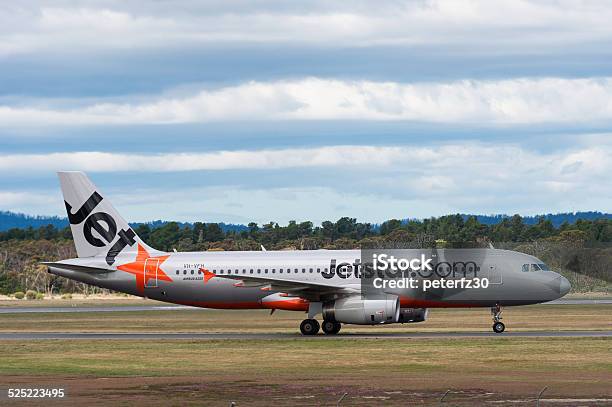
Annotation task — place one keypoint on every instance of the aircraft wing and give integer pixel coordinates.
(312, 291)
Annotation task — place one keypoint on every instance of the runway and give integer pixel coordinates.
(275, 336)
(96, 308)
(139, 308)
(578, 301)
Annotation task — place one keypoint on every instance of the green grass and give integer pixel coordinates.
(289, 371)
(263, 357)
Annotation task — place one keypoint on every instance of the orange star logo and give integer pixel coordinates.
(207, 274)
(144, 267)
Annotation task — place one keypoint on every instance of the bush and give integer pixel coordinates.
(40, 296)
(19, 295)
(66, 296)
(31, 294)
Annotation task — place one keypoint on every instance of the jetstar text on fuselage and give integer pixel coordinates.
(422, 267)
(380, 263)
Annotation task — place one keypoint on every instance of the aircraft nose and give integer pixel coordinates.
(564, 286)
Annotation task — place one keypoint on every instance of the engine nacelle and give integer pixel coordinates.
(412, 315)
(359, 311)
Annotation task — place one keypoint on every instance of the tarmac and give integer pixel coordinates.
(152, 307)
(96, 308)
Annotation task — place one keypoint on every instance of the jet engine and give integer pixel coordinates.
(412, 315)
(360, 311)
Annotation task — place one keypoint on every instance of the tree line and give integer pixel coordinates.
(22, 250)
(344, 233)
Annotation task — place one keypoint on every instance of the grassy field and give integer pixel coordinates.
(291, 371)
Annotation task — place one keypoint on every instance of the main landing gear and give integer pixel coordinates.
(331, 328)
(311, 327)
(498, 326)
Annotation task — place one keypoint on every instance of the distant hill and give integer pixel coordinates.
(557, 219)
(9, 220)
(225, 227)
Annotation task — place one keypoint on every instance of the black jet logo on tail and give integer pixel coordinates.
(104, 224)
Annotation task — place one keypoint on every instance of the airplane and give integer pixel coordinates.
(317, 282)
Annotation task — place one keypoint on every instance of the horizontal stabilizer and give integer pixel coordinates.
(76, 267)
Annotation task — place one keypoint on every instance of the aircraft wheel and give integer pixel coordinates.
(309, 327)
(499, 327)
(331, 328)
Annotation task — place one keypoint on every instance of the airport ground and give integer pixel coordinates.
(287, 369)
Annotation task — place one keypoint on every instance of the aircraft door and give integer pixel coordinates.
(494, 274)
(150, 273)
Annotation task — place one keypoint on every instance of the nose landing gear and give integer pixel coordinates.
(498, 326)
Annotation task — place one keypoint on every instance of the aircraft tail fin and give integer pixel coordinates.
(97, 228)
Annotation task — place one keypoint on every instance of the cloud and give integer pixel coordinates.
(372, 183)
(238, 205)
(34, 202)
(10, 198)
(204, 53)
(497, 161)
(502, 102)
(473, 25)
(463, 176)
(360, 156)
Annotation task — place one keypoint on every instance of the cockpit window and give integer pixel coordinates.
(535, 267)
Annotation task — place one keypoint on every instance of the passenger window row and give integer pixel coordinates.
(259, 271)
(187, 271)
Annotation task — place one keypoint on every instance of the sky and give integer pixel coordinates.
(280, 110)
